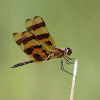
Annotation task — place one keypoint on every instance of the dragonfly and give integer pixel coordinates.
(39, 45)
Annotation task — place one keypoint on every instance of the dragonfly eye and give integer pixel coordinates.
(68, 51)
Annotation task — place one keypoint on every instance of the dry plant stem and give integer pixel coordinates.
(73, 81)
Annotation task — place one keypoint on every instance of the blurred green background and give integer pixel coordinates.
(72, 23)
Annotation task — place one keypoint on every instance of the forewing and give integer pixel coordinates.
(38, 27)
(28, 43)
(18, 39)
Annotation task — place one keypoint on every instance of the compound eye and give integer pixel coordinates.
(69, 51)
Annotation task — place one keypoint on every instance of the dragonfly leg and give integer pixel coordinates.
(70, 58)
(62, 68)
(67, 58)
(67, 61)
(49, 57)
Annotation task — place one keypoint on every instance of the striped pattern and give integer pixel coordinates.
(43, 36)
(36, 42)
(38, 27)
(21, 64)
(29, 44)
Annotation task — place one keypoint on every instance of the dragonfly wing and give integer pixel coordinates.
(38, 27)
(28, 43)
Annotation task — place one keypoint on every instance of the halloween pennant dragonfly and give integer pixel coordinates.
(38, 44)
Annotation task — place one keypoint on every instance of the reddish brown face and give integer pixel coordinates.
(68, 51)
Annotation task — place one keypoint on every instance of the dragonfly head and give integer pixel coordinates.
(67, 51)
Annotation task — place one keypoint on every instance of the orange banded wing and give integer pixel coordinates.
(18, 39)
(28, 43)
(38, 27)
